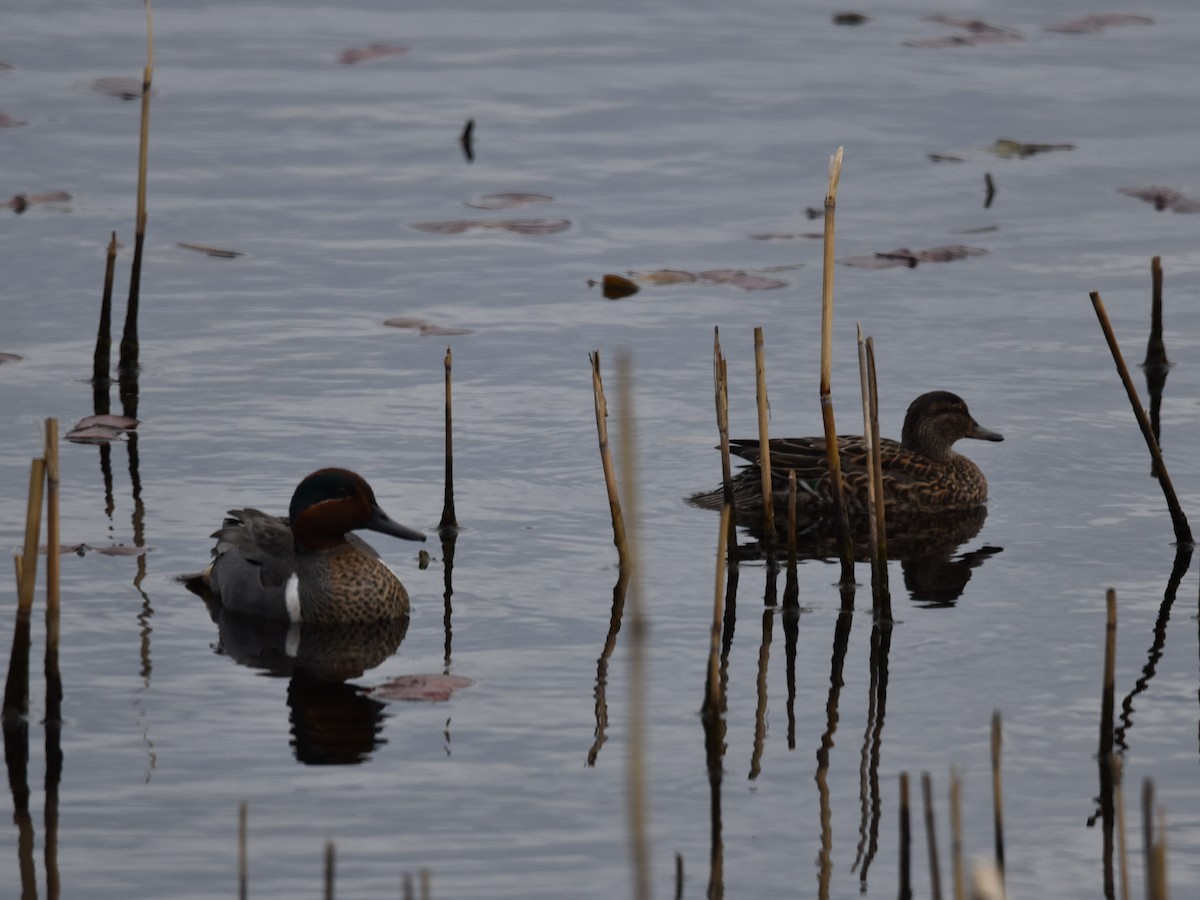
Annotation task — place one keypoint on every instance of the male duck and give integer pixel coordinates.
(921, 473)
(307, 567)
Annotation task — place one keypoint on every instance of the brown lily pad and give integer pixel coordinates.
(7, 121)
(101, 429)
(10, 357)
(509, 201)
(739, 279)
(373, 51)
(210, 251)
(978, 32)
(435, 688)
(1007, 149)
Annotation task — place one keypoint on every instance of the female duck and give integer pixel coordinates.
(308, 567)
(921, 474)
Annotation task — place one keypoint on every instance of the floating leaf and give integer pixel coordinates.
(10, 357)
(773, 236)
(944, 157)
(7, 121)
(4, 67)
(425, 328)
(509, 201)
(1163, 198)
(435, 688)
(119, 86)
(849, 18)
(909, 258)
(982, 229)
(518, 226)
(211, 251)
(617, 287)
(1098, 22)
(373, 51)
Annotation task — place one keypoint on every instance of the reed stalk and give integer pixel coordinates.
(840, 516)
(877, 472)
(129, 339)
(876, 534)
(935, 875)
(1183, 534)
(102, 358)
(610, 475)
(792, 548)
(956, 839)
(764, 442)
(449, 521)
(905, 841)
(1116, 769)
(33, 529)
(243, 856)
(1156, 350)
(997, 795)
(714, 644)
(721, 386)
(53, 617)
(330, 865)
(1107, 703)
(636, 619)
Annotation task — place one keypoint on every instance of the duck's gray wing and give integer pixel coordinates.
(254, 558)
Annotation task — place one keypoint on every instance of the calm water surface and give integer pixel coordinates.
(667, 135)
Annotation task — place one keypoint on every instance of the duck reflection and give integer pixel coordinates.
(935, 573)
(332, 722)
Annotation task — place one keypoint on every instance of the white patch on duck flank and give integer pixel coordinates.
(291, 597)
(291, 644)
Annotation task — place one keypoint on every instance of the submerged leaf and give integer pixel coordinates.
(739, 279)
(665, 276)
(1006, 149)
(902, 256)
(1098, 22)
(10, 357)
(119, 86)
(108, 420)
(849, 18)
(21, 202)
(509, 201)
(7, 121)
(425, 329)
(518, 226)
(373, 51)
(96, 434)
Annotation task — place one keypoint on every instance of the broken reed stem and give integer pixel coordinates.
(33, 529)
(330, 861)
(610, 475)
(1115, 767)
(840, 517)
(243, 859)
(53, 677)
(956, 845)
(714, 642)
(1108, 685)
(791, 523)
(764, 444)
(1183, 533)
(129, 339)
(638, 831)
(997, 794)
(877, 472)
(102, 358)
(1159, 858)
(935, 875)
(905, 841)
(721, 384)
(449, 519)
(1156, 351)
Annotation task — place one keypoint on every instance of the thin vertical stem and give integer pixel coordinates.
(764, 442)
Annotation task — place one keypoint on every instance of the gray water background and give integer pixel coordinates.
(667, 134)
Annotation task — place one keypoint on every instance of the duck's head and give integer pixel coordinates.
(330, 502)
(935, 421)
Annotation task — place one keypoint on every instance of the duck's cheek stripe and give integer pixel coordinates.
(291, 596)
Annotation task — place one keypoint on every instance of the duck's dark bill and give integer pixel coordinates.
(381, 522)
